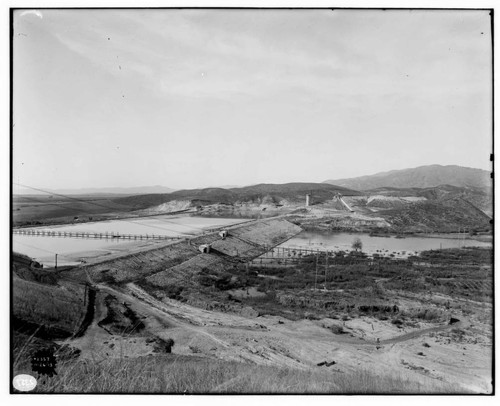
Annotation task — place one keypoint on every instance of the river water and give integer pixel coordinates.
(74, 250)
(399, 247)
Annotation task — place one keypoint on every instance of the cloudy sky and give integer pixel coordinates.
(198, 98)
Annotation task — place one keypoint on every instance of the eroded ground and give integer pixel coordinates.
(427, 317)
(455, 353)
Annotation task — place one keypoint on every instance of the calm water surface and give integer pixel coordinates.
(73, 250)
(402, 247)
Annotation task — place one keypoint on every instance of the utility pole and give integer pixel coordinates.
(316, 278)
(326, 267)
(56, 262)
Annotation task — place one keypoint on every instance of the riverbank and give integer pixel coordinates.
(386, 245)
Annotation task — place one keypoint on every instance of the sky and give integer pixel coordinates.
(201, 98)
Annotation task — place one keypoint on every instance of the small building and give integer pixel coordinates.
(223, 234)
(204, 248)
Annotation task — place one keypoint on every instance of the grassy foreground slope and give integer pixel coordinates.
(184, 374)
(55, 309)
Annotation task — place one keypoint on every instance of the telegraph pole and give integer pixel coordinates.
(326, 267)
(316, 278)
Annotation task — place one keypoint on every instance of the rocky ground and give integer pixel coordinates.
(458, 353)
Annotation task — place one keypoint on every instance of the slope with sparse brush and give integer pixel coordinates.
(480, 198)
(445, 215)
(421, 177)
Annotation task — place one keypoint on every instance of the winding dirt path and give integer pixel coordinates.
(419, 333)
(270, 340)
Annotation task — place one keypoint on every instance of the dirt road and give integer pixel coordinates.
(272, 340)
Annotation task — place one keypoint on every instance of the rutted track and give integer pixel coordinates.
(89, 314)
(419, 333)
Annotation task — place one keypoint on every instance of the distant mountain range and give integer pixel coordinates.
(421, 177)
(420, 199)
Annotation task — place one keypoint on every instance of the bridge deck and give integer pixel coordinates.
(105, 235)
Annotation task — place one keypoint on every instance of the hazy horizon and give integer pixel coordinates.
(196, 98)
(27, 190)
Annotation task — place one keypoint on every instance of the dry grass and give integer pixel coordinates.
(53, 306)
(176, 374)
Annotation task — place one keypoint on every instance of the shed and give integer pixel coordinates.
(204, 248)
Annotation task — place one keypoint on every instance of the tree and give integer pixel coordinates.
(357, 244)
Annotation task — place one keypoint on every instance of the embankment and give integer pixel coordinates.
(243, 242)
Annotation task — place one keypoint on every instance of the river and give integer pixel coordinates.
(399, 247)
(73, 250)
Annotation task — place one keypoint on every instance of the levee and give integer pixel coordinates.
(166, 262)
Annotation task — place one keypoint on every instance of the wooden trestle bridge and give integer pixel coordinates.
(82, 234)
(288, 255)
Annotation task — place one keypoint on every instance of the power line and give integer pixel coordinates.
(105, 207)
(61, 195)
(63, 204)
(95, 204)
(51, 204)
(41, 249)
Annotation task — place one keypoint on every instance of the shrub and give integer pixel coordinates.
(337, 329)
(357, 244)
(169, 343)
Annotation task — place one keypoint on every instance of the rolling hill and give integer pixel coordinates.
(421, 177)
(272, 193)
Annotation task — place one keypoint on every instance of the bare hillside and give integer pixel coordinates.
(273, 193)
(421, 177)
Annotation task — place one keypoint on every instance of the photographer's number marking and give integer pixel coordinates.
(24, 382)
